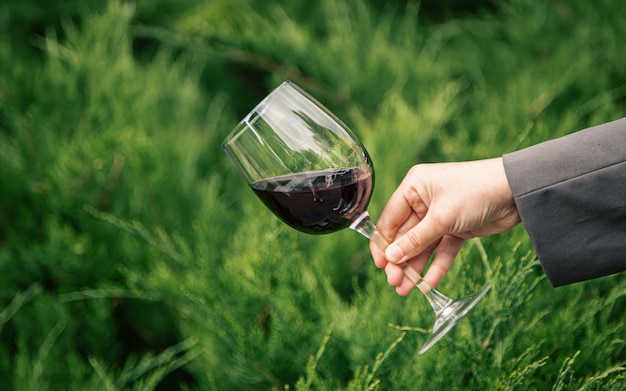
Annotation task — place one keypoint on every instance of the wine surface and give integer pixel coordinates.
(317, 202)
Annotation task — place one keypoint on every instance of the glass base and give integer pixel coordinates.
(451, 314)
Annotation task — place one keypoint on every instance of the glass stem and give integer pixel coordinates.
(366, 227)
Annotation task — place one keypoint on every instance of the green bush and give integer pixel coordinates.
(132, 256)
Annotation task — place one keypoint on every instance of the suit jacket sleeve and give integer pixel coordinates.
(571, 197)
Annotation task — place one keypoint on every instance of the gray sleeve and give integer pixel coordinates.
(571, 196)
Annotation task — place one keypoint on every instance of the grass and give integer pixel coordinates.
(133, 257)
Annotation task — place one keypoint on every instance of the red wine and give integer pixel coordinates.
(317, 202)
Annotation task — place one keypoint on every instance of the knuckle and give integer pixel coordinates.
(414, 241)
(416, 170)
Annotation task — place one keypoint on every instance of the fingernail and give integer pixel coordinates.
(394, 254)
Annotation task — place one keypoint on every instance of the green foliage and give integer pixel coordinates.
(132, 256)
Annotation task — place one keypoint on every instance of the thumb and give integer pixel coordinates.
(414, 241)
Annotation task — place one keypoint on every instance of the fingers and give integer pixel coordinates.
(405, 288)
(415, 241)
(416, 227)
(379, 256)
(394, 273)
(378, 252)
(404, 209)
(442, 205)
(445, 255)
(396, 276)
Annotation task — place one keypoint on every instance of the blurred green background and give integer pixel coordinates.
(132, 256)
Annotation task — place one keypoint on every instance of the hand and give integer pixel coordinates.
(436, 208)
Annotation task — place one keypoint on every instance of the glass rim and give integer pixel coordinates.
(259, 109)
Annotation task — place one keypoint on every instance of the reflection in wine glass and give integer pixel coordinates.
(313, 173)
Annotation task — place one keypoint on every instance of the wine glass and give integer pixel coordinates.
(313, 173)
